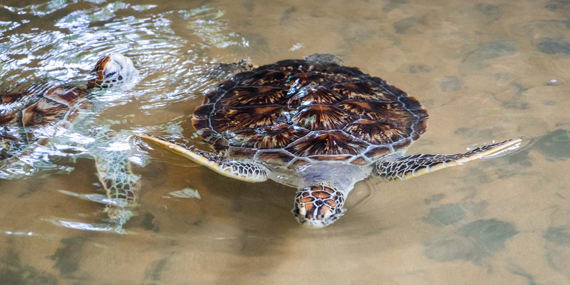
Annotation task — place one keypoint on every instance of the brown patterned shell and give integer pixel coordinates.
(24, 117)
(27, 117)
(295, 111)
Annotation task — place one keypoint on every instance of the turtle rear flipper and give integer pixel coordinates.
(420, 164)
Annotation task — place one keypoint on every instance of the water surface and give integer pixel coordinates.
(485, 70)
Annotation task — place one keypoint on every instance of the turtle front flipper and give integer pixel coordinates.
(114, 172)
(120, 183)
(240, 170)
(416, 165)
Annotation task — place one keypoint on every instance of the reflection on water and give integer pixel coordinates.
(485, 71)
(186, 193)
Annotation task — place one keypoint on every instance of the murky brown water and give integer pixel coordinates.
(487, 70)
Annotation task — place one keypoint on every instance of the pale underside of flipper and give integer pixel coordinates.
(119, 181)
(115, 173)
(420, 164)
(240, 170)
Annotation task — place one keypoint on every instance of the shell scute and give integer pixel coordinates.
(392, 112)
(214, 95)
(220, 144)
(10, 98)
(229, 84)
(326, 143)
(298, 162)
(315, 96)
(378, 132)
(415, 136)
(420, 125)
(362, 90)
(331, 157)
(403, 143)
(277, 136)
(255, 95)
(294, 112)
(377, 152)
(411, 103)
(275, 157)
(203, 111)
(322, 117)
(342, 74)
(390, 89)
(65, 96)
(201, 125)
(249, 117)
(43, 112)
(8, 118)
(359, 161)
(304, 80)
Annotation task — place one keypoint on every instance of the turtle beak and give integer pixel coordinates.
(309, 220)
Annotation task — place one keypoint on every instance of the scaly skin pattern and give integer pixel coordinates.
(416, 165)
(318, 206)
(240, 170)
(114, 172)
(243, 170)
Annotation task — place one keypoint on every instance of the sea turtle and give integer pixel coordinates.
(32, 118)
(315, 125)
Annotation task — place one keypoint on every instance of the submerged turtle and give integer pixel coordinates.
(34, 117)
(318, 126)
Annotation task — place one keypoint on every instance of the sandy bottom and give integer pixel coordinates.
(485, 71)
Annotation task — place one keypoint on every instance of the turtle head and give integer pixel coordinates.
(114, 71)
(318, 206)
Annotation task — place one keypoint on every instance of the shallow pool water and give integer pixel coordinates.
(485, 70)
